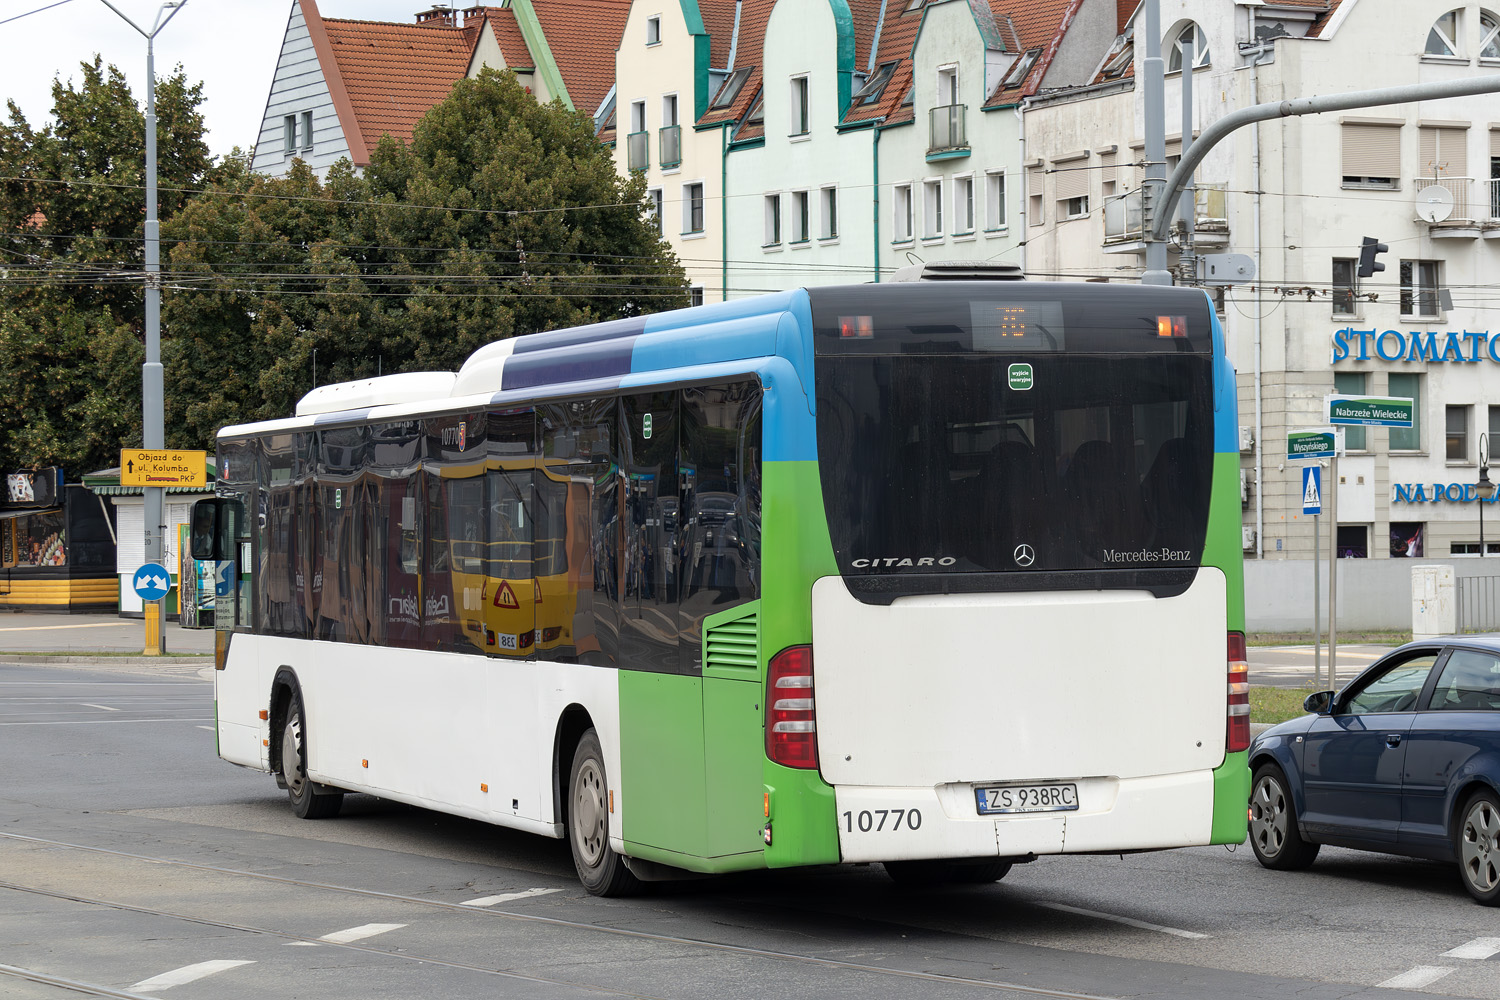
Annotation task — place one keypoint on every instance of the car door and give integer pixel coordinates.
(1352, 758)
(1460, 722)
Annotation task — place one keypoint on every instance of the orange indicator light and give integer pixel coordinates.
(264, 715)
(611, 801)
(1171, 326)
(483, 787)
(364, 763)
(768, 805)
(856, 327)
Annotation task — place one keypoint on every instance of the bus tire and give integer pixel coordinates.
(308, 802)
(1274, 835)
(916, 874)
(600, 869)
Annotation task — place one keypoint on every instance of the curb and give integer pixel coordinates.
(118, 661)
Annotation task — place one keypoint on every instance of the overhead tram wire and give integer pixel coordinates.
(37, 11)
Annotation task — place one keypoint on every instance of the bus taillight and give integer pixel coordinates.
(791, 726)
(1237, 737)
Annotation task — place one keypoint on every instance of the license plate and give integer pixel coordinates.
(1059, 796)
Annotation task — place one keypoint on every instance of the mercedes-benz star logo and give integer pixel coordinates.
(1024, 555)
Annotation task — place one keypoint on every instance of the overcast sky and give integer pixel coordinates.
(230, 45)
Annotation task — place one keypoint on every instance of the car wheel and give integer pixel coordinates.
(308, 802)
(1274, 836)
(1478, 847)
(600, 869)
(917, 874)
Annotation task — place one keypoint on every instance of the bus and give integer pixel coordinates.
(942, 574)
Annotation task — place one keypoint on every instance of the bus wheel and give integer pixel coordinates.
(600, 869)
(307, 801)
(916, 874)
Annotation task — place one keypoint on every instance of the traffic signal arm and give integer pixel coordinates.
(1368, 250)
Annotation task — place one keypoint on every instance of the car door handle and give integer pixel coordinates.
(1393, 740)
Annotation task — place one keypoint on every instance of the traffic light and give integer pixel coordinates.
(1368, 250)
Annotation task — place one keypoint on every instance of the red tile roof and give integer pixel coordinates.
(754, 14)
(583, 38)
(897, 39)
(1123, 10)
(1042, 24)
(507, 32)
(1316, 31)
(718, 20)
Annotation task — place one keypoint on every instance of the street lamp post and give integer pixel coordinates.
(152, 381)
(1484, 489)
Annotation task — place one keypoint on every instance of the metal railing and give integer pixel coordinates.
(638, 150)
(1458, 187)
(1495, 198)
(945, 128)
(1478, 603)
(671, 146)
(1122, 216)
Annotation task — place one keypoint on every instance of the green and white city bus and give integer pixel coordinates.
(940, 574)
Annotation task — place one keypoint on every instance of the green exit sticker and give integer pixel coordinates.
(646, 426)
(1020, 376)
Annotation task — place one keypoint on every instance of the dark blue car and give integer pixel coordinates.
(1404, 760)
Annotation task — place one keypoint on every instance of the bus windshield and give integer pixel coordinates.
(1050, 440)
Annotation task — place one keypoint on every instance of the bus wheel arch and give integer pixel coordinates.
(571, 725)
(308, 799)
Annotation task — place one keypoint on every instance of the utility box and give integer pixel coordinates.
(1434, 604)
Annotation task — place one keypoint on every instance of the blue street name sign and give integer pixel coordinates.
(152, 581)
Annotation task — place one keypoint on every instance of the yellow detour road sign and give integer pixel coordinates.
(162, 467)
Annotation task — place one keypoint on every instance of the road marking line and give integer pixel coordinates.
(95, 722)
(187, 974)
(102, 708)
(49, 628)
(209, 728)
(1128, 921)
(1479, 948)
(507, 897)
(358, 933)
(1308, 651)
(1415, 979)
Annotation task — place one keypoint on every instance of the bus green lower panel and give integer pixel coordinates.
(662, 793)
(1231, 799)
(694, 863)
(804, 818)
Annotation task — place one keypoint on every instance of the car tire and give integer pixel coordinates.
(600, 869)
(1274, 836)
(308, 801)
(1476, 842)
(925, 873)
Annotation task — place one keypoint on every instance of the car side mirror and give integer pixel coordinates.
(1319, 703)
(213, 529)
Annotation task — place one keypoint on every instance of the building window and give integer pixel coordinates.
(773, 221)
(1034, 196)
(963, 205)
(1194, 34)
(731, 88)
(1407, 539)
(1442, 37)
(654, 198)
(670, 148)
(692, 208)
(830, 201)
(1371, 156)
(1443, 153)
(799, 105)
(1021, 68)
(932, 209)
(695, 295)
(1489, 35)
(1351, 384)
(1354, 541)
(801, 221)
(289, 135)
(637, 142)
(1419, 289)
(1409, 386)
(1343, 286)
(1494, 423)
(1457, 433)
(307, 131)
(902, 227)
(994, 200)
(653, 30)
(869, 92)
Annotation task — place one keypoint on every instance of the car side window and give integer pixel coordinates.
(1470, 682)
(1393, 689)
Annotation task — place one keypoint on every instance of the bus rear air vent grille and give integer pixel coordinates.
(734, 645)
(959, 270)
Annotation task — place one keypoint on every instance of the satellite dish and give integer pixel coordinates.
(1434, 203)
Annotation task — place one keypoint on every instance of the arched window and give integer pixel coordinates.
(1442, 39)
(1489, 35)
(1190, 32)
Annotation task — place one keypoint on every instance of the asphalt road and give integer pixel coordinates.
(1293, 666)
(133, 862)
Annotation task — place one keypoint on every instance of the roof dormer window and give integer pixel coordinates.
(731, 88)
(1021, 69)
(875, 85)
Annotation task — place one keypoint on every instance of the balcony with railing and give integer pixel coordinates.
(638, 150)
(1495, 199)
(1452, 207)
(1124, 221)
(670, 148)
(947, 137)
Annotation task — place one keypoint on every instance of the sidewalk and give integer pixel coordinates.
(31, 637)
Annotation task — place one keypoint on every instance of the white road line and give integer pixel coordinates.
(1479, 948)
(209, 728)
(1415, 979)
(102, 708)
(96, 722)
(359, 933)
(1128, 921)
(1308, 651)
(49, 628)
(507, 897)
(187, 974)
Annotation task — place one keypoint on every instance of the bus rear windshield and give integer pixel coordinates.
(1026, 464)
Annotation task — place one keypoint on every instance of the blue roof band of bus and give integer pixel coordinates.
(1226, 393)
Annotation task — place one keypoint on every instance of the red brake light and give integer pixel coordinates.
(1237, 734)
(791, 726)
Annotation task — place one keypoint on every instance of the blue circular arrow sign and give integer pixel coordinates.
(152, 581)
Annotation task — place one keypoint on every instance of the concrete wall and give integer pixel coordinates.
(1372, 593)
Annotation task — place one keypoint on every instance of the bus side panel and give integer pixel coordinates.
(1223, 548)
(241, 693)
(796, 551)
(661, 763)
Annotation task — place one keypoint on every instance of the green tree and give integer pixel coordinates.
(71, 263)
(502, 217)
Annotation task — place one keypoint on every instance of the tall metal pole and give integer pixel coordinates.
(1154, 92)
(1333, 566)
(1317, 605)
(1186, 265)
(153, 393)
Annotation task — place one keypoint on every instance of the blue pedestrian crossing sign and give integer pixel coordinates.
(152, 581)
(1312, 490)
